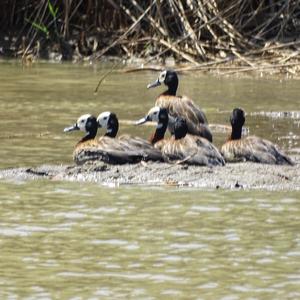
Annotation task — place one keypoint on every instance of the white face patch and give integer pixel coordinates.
(81, 122)
(154, 113)
(103, 119)
(162, 76)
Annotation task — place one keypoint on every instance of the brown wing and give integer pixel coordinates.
(141, 146)
(192, 150)
(185, 108)
(135, 142)
(182, 106)
(254, 149)
(105, 149)
(108, 143)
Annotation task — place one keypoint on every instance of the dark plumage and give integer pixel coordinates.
(109, 121)
(188, 148)
(180, 106)
(250, 148)
(105, 149)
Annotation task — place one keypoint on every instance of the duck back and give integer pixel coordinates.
(254, 149)
(145, 148)
(184, 107)
(192, 150)
(181, 106)
(105, 149)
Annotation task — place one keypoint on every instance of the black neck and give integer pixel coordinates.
(159, 132)
(179, 134)
(171, 91)
(111, 132)
(236, 133)
(89, 136)
(112, 126)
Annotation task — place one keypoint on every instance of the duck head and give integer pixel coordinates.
(161, 117)
(237, 120)
(237, 117)
(180, 128)
(169, 78)
(86, 123)
(155, 114)
(109, 121)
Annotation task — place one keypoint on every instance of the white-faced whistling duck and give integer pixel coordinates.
(190, 149)
(180, 106)
(109, 121)
(250, 148)
(91, 149)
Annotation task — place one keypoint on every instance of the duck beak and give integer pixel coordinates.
(142, 120)
(71, 128)
(153, 84)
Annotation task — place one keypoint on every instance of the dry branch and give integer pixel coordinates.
(195, 31)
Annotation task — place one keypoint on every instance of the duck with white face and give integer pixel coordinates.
(180, 106)
(251, 148)
(86, 123)
(182, 146)
(109, 122)
(89, 148)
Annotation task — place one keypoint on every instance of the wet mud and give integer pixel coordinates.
(244, 175)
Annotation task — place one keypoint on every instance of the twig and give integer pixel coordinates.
(105, 75)
(262, 68)
(98, 55)
(180, 53)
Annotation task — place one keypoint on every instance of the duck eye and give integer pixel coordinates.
(82, 121)
(104, 118)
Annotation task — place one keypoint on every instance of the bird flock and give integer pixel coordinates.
(190, 141)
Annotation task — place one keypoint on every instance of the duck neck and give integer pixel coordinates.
(180, 134)
(236, 133)
(89, 136)
(112, 130)
(172, 89)
(159, 133)
(111, 133)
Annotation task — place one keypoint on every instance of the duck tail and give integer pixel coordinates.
(152, 155)
(283, 159)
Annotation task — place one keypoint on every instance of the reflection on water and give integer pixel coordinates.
(37, 103)
(61, 240)
(66, 240)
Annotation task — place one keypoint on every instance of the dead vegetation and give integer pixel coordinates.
(230, 36)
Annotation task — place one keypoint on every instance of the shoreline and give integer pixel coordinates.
(227, 68)
(245, 175)
(231, 66)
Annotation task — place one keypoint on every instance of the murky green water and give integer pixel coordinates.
(83, 241)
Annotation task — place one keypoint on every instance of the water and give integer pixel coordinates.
(36, 103)
(82, 241)
(62, 240)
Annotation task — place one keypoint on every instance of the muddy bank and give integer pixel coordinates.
(232, 176)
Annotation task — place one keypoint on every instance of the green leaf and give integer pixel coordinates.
(40, 27)
(52, 10)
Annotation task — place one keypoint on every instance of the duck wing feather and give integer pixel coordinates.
(145, 148)
(185, 108)
(254, 149)
(192, 150)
